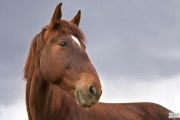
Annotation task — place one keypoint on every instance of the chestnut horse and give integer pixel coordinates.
(62, 83)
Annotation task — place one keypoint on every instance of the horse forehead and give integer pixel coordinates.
(75, 40)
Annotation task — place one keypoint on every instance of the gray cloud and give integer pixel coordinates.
(131, 39)
(128, 36)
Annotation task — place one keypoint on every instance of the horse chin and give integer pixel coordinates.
(83, 101)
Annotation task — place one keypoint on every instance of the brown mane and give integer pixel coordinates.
(70, 28)
(34, 52)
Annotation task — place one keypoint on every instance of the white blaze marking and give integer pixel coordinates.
(76, 40)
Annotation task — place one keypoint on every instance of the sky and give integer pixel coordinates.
(133, 44)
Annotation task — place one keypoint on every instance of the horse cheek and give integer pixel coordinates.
(51, 68)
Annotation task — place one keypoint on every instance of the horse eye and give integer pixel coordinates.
(63, 44)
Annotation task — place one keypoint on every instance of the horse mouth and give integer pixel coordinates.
(84, 101)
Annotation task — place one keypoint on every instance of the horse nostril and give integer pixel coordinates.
(92, 90)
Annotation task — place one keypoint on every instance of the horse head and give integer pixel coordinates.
(64, 61)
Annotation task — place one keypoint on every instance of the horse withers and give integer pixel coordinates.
(62, 83)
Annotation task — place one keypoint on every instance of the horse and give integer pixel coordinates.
(62, 83)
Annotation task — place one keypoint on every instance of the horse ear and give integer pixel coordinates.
(55, 20)
(76, 19)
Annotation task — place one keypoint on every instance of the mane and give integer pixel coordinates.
(68, 27)
(32, 62)
(34, 55)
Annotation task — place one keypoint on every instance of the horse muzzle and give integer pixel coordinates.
(87, 98)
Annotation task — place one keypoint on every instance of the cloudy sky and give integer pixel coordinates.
(134, 45)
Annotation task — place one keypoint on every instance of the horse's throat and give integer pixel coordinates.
(48, 101)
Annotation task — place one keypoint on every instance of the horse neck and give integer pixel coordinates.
(45, 100)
